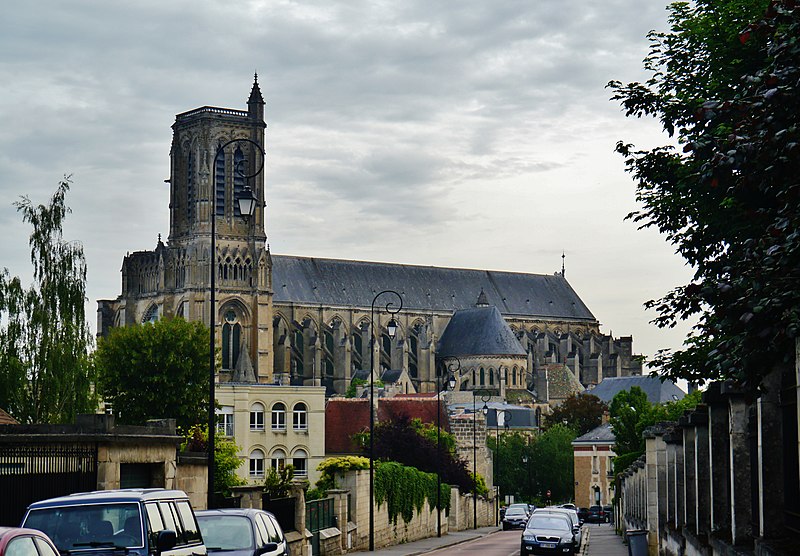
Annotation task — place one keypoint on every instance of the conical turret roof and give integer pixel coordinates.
(479, 331)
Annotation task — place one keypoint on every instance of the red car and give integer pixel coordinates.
(16, 541)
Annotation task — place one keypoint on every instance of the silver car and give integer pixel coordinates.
(571, 514)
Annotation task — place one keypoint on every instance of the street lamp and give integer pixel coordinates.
(247, 204)
(496, 461)
(485, 397)
(528, 473)
(451, 383)
(391, 329)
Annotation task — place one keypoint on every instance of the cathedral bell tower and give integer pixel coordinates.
(209, 172)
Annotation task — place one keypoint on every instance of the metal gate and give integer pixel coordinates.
(319, 516)
(35, 472)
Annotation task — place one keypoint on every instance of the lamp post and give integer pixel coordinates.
(496, 462)
(525, 461)
(484, 398)
(451, 383)
(391, 328)
(247, 204)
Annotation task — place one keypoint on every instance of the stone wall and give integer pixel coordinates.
(461, 427)
(724, 479)
(463, 515)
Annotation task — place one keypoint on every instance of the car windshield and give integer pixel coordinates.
(226, 532)
(516, 511)
(90, 526)
(548, 522)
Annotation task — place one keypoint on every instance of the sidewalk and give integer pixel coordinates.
(601, 540)
(433, 543)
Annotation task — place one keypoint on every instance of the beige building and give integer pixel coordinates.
(594, 471)
(274, 425)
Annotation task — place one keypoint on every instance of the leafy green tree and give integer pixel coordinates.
(627, 410)
(156, 370)
(553, 463)
(729, 200)
(226, 457)
(581, 412)
(45, 375)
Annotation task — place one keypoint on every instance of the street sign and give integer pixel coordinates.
(548, 494)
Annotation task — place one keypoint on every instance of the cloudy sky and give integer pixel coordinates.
(464, 133)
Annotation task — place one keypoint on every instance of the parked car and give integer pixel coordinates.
(548, 533)
(573, 517)
(242, 532)
(515, 517)
(609, 511)
(582, 514)
(139, 522)
(569, 506)
(17, 541)
(596, 514)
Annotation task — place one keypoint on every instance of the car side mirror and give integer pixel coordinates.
(166, 540)
(269, 547)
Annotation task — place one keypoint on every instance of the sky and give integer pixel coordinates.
(461, 133)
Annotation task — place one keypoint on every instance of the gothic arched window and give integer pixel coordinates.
(191, 188)
(239, 172)
(231, 338)
(151, 315)
(327, 362)
(219, 185)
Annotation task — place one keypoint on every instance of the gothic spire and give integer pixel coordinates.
(255, 93)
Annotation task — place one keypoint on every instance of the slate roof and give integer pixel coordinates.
(561, 383)
(333, 282)
(345, 417)
(478, 331)
(601, 434)
(657, 391)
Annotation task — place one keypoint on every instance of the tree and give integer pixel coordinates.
(581, 412)
(553, 463)
(45, 375)
(730, 200)
(155, 371)
(408, 441)
(226, 457)
(627, 410)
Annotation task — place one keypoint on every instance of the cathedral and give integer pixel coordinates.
(289, 320)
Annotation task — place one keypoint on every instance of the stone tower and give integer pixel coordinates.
(208, 173)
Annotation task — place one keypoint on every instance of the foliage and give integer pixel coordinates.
(405, 489)
(549, 464)
(356, 382)
(480, 484)
(45, 374)
(729, 201)
(277, 482)
(632, 413)
(330, 467)
(156, 370)
(226, 457)
(627, 409)
(580, 412)
(553, 460)
(403, 441)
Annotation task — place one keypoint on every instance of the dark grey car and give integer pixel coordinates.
(548, 533)
(242, 532)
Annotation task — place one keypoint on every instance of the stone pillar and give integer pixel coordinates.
(689, 473)
(340, 511)
(680, 500)
(718, 450)
(670, 477)
(740, 488)
(699, 418)
(770, 464)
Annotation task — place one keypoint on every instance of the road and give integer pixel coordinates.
(502, 543)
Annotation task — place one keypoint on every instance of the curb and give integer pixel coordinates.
(456, 542)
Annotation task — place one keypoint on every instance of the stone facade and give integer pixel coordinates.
(309, 321)
(593, 465)
(274, 425)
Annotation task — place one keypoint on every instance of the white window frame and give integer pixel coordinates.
(225, 421)
(300, 454)
(256, 464)
(300, 417)
(278, 416)
(257, 417)
(278, 459)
